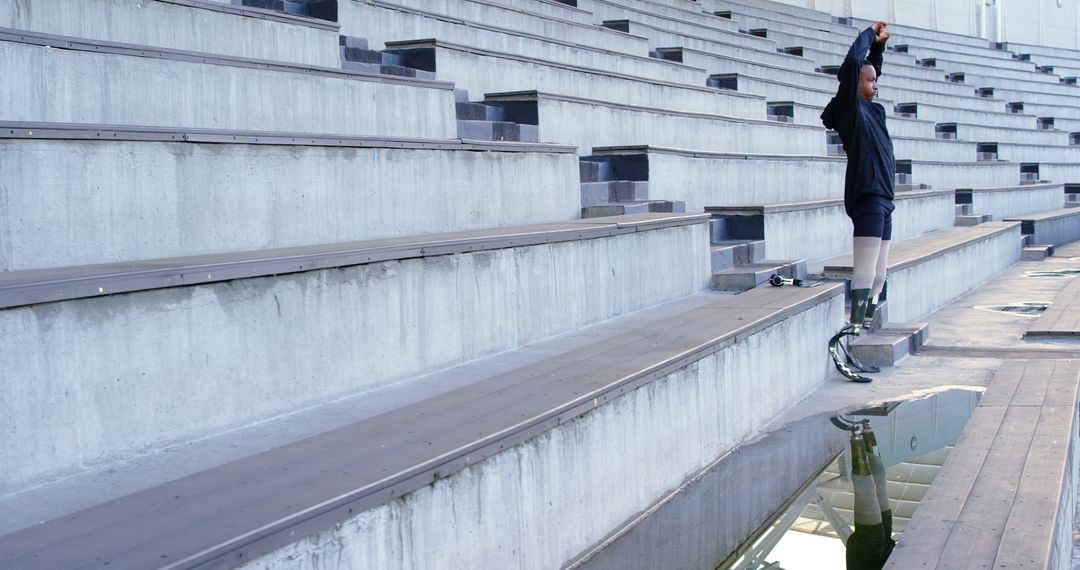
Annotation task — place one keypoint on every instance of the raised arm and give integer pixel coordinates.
(852, 66)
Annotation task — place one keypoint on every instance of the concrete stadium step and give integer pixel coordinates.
(727, 254)
(927, 272)
(1064, 172)
(773, 90)
(934, 36)
(560, 118)
(232, 190)
(780, 8)
(977, 65)
(819, 229)
(187, 25)
(386, 22)
(775, 10)
(971, 102)
(672, 19)
(938, 174)
(1037, 153)
(671, 42)
(910, 148)
(497, 131)
(899, 65)
(1037, 99)
(490, 13)
(890, 344)
(988, 79)
(703, 179)
(724, 64)
(1007, 202)
(629, 207)
(471, 69)
(899, 125)
(683, 359)
(1058, 112)
(756, 274)
(1055, 227)
(247, 315)
(968, 220)
(550, 8)
(752, 20)
(666, 32)
(984, 133)
(1049, 52)
(1072, 125)
(952, 114)
(108, 83)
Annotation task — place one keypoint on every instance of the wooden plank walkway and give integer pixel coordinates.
(1062, 318)
(995, 503)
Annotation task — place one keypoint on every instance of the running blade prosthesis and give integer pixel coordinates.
(840, 356)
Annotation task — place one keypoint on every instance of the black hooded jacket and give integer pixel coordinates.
(871, 166)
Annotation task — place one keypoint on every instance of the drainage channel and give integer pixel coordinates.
(809, 495)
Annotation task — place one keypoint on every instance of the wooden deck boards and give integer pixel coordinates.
(995, 502)
(1062, 318)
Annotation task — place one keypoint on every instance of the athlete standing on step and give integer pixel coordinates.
(868, 185)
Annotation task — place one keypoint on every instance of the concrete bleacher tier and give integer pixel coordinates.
(264, 299)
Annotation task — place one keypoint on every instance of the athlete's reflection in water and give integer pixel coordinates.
(870, 544)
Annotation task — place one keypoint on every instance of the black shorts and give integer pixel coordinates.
(872, 217)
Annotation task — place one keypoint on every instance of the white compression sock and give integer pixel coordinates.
(867, 509)
(880, 269)
(866, 260)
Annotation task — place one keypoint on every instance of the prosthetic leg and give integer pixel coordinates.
(869, 259)
(841, 357)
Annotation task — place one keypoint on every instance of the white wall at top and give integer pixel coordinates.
(1040, 22)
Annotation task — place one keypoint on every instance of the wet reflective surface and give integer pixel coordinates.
(790, 499)
(852, 513)
(1023, 308)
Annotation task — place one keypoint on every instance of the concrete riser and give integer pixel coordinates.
(473, 72)
(167, 366)
(807, 234)
(123, 90)
(916, 216)
(125, 201)
(734, 46)
(157, 24)
(382, 25)
(1057, 232)
(689, 418)
(916, 291)
(735, 181)
(950, 151)
(983, 175)
(561, 122)
(1005, 204)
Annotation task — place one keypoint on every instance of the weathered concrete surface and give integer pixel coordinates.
(381, 23)
(1008, 202)
(688, 418)
(83, 202)
(920, 289)
(168, 366)
(616, 125)
(100, 88)
(174, 26)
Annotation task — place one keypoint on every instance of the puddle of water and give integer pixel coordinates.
(1021, 308)
(789, 500)
(1068, 272)
(852, 513)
